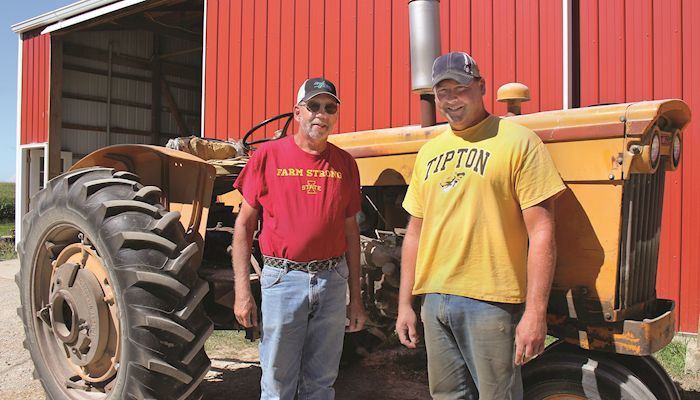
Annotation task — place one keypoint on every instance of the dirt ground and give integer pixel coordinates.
(688, 386)
(393, 374)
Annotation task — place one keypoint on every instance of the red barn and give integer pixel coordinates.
(101, 72)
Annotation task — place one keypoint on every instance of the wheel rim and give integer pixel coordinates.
(76, 324)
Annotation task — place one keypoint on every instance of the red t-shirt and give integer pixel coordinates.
(305, 199)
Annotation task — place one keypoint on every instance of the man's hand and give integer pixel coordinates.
(529, 337)
(357, 316)
(245, 310)
(406, 327)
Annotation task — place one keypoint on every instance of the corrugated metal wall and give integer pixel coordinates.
(259, 52)
(85, 89)
(643, 50)
(36, 50)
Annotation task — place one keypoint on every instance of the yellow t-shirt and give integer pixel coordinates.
(470, 188)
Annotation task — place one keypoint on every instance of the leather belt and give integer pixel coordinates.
(309, 266)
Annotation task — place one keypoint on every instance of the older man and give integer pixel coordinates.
(480, 191)
(309, 192)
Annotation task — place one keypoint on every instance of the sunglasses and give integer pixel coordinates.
(314, 107)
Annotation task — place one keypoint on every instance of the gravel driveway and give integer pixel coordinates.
(15, 365)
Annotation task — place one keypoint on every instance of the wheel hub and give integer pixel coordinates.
(79, 315)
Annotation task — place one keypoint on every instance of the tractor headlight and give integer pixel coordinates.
(655, 151)
(676, 149)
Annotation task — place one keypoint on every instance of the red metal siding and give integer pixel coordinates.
(382, 62)
(211, 67)
(664, 45)
(612, 51)
(400, 60)
(261, 82)
(504, 65)
(347, 86)
(35, 89)
(589, 45)
(365, 64)
(527, 50)
(331, 63)
(687, 80)
(258, 53)
(649, 49)
(482, 43)
(550, 62)
(287, 91)
(246, 81)
(272, 105)
(667, 83)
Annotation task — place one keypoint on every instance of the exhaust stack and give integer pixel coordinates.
(424, 29)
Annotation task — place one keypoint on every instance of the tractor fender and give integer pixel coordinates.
(184, 181)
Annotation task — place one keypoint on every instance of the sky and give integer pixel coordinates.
(12, 13)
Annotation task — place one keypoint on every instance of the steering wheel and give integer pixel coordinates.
(283, 131)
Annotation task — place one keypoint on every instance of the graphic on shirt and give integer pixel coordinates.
(310, 173)
(465, 158)
(451, 182)
(310, 187)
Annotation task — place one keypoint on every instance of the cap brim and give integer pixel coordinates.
(313, 94)
(464, 79)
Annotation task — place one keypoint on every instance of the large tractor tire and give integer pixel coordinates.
(111, 299)
(567, 372)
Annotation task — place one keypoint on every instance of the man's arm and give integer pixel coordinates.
(243, 304)
(406, 320)
(542, 255)
(356, 314)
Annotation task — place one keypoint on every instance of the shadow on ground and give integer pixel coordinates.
(689, 395)
(384, 375)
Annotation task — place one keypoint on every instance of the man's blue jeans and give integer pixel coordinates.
(303, 325)
(471, 344)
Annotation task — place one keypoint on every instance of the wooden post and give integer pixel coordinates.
(110, 140)
(55, 112)
(155, 92)
(172, 106)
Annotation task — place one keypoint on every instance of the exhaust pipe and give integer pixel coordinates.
(424, 33)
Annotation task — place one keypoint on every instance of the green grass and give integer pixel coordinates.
(7, 251)
(549, 340)
(7, 190)
(7, 225)
(229, 344)
(7, 228)
(672, 358)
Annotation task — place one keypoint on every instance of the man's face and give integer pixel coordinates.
(317, 125)
(462, 105)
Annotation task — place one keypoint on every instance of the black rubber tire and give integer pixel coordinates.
(155, 283)
(580, 374)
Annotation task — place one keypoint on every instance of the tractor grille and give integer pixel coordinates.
(642, 201)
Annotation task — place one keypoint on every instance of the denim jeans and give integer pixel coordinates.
(471, 348)
(303, 325)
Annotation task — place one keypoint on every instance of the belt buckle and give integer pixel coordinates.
(313, 266)
(333, 262)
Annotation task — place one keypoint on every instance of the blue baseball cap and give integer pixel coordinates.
(456, 65)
